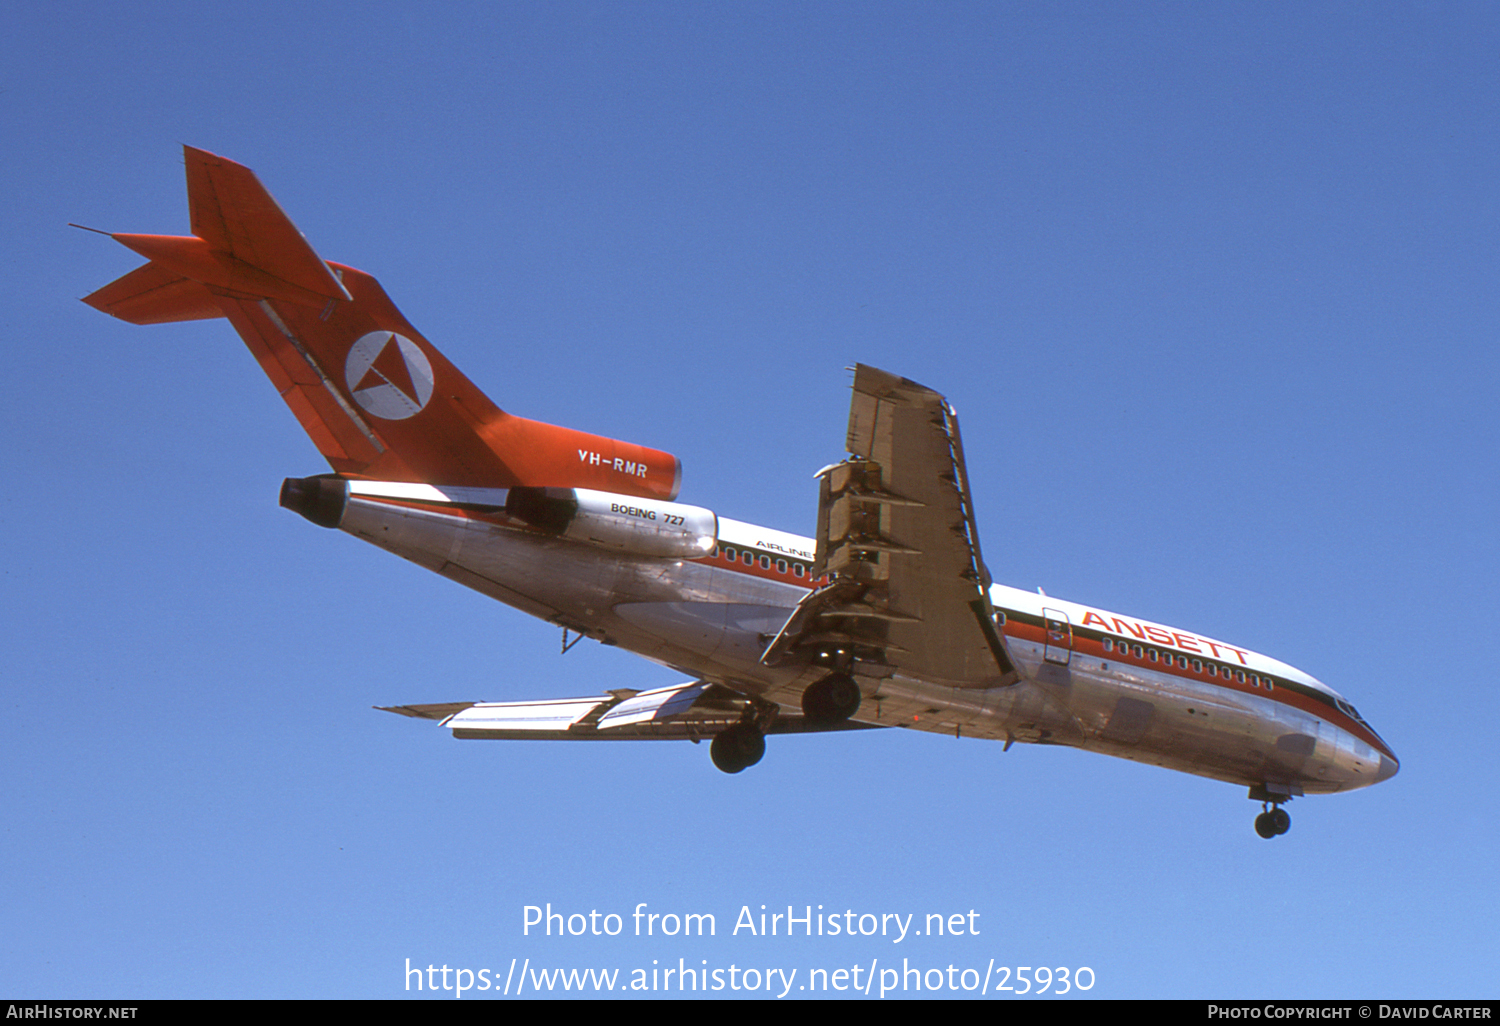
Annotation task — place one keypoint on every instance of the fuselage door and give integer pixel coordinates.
(1059, 647)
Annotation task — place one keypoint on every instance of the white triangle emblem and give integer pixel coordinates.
(389, 381)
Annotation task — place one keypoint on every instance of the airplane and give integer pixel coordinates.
(886, 617)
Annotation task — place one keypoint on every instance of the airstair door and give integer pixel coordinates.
(1059, 647)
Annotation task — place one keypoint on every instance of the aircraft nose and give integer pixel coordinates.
(1387, 770)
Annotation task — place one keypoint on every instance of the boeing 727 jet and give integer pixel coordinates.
(887, 617)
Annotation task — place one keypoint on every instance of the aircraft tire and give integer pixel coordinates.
(1281, 820)
(737, 748)
(833, 699)
(1264, 826)
(753, 746)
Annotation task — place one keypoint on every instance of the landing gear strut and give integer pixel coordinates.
(1273, 821)
(738, 747)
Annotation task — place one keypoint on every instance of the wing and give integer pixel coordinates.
(680, 712)
(896, 532)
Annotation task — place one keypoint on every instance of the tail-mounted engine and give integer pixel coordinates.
(647, 527)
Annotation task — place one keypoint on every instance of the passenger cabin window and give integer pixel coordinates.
(781, 566)
(797, 570)
(749, 558)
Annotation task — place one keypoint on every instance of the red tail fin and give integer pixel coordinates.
(376, 397)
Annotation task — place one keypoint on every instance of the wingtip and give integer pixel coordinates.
(426, 712)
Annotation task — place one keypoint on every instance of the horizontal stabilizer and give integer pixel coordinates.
(234, 214)
(243, 245)
(151, 294)
(376, 398)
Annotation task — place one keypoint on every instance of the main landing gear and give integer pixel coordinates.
(1273, 821)
(831, 700)
(738, 747)
(825, 704)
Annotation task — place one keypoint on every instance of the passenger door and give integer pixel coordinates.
(1059, 636)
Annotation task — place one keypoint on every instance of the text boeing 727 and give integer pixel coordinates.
(888, 617)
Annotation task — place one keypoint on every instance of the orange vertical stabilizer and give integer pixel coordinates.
(376, 398)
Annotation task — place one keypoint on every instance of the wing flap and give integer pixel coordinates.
(896, 530)
(691, 711)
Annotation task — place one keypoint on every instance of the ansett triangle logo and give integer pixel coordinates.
(388, 375)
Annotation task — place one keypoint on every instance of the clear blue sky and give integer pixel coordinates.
(1211, 286)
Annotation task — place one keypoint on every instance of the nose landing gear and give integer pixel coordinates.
(1273, 821)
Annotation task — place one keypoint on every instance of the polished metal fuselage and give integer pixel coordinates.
(714, 624)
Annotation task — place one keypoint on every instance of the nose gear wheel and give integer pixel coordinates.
(1273, 821)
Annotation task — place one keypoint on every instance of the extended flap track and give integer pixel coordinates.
(851, 618)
